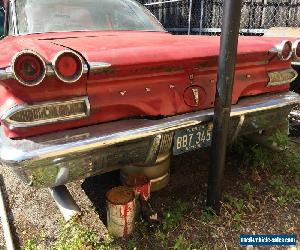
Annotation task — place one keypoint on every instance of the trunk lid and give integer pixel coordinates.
(137, 48)
(157, 74)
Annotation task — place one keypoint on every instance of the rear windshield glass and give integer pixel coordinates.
(38, 16)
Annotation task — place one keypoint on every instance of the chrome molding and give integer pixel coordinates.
(85, 69)
(276, 77)
(296, 63)
(83, 66)
(6, 74)
(86, 151)
(49, 70)
(35, 54)
(13, 124)
(238, 128)
(98, 66)
(279, 49)
(294, 49)
(153, 150)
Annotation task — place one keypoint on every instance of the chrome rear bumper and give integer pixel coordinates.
(57, 158)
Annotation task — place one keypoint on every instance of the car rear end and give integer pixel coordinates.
(96, 108)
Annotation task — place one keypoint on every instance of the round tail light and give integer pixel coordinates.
(29, 68)
(285, 50)
(296, 49)
(68, 66)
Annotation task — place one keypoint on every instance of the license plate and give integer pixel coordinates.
(192, 138)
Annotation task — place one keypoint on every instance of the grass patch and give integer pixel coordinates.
(248, 189)
(247, 156)
(170, 221)
(181, 244)
(281, 169)
(74, 236)
(208, 215)
(32, 245)
(234, 208)
(174, 217)
(280, 139)
(283, 192)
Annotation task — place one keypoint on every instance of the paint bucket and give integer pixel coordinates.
(159, 174)
(121, 210)
(141, 185)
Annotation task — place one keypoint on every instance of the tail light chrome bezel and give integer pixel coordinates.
(280, 48)
(45, 107)
(21, 81)
(282, 77)
(295, 48)
(59, 76)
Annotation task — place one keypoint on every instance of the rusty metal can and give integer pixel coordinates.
(121, 210)
(141, 185)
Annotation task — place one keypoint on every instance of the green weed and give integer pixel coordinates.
(282, 201)
(253, 156)
(208, 215)
(277, 183)
(32, 245)
(131, 244)
(236, 203)
(248, 189)
(162, 238)
(280, 138)
(261, 157)
(284, 192)
(236, 206)
(73, 236)
(181, 244)
(174, 217)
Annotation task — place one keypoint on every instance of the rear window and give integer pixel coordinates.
(38, 16)
(1, 23)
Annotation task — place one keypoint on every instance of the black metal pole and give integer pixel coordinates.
(227, 60)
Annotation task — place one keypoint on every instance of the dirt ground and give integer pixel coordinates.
(33, 213)
(256, 202)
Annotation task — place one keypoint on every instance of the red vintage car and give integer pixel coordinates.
(91, 86)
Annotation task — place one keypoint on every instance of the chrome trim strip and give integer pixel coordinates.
(6, 74)
(61, 144)
(16, 56)
(294, 49)
(13, 124)
(238, 128)
(296, 63)
(153, 150)
(49, 70)
(98, 66)
(279, 49)
(286, 81)
(83, 68)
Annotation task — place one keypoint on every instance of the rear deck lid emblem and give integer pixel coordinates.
(194, 96)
